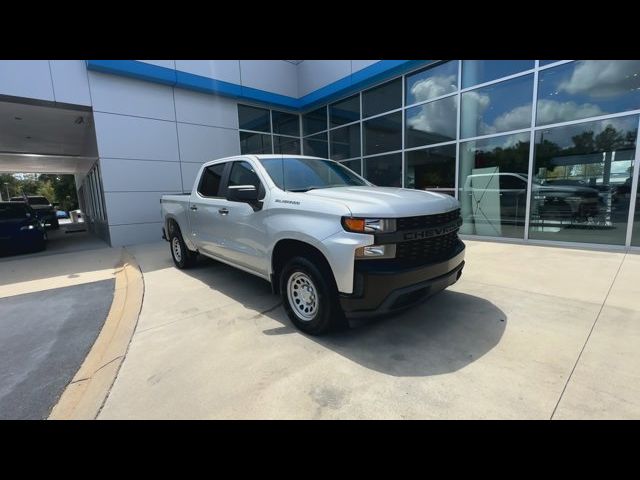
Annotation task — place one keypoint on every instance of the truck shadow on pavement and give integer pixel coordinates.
(444, 334)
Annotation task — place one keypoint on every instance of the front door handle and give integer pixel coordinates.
(193, 207)
(223, 211)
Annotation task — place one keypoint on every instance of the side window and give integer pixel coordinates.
(508, 182)
(242, 173)
(211, 179)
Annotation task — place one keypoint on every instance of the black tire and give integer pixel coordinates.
(183, 257)
(327, 314)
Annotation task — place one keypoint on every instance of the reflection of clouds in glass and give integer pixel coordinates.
(603, 78)
(437, 117)
(549, 111)
(433, 87)
(552, 111)
(519, 117)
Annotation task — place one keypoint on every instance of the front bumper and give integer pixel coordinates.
(379, 290)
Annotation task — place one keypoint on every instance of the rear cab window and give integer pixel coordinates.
(212, 180)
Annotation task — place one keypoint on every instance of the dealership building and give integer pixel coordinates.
(538, 151)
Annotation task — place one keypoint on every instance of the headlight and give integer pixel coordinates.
(27, 227)
(369, 225)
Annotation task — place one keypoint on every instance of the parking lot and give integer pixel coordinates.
(529, 332)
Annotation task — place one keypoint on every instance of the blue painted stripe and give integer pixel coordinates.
(269, 97)
(207, 85)
(350, 84)
(135, 69)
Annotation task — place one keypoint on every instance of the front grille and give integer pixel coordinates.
(426, 221)
(428, 250)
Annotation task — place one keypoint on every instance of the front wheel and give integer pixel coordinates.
(182, 256)
(310, 297)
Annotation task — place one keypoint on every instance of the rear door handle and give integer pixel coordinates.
(193, 207)
(223, 211)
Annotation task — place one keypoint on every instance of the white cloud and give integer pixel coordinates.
(436, 117)
(552, 111)
(433, 87)
(603, 78)
(519, 117)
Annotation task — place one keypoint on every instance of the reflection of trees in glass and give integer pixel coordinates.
(514, 158)
(585, 143)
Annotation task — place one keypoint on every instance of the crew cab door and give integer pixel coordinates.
(206, 206)
(243, 229)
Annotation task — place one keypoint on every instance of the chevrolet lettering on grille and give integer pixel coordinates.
(433, 232)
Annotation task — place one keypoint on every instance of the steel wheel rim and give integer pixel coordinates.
(303, 296)
(176, 249)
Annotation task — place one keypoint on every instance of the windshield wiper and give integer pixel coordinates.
(306, 189)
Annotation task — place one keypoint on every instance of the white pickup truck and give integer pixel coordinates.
(332, 244)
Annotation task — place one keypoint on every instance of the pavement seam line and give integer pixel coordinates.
(85, 395)
(593, 326)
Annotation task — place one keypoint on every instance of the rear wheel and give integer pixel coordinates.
(182, 256)
(310, 297)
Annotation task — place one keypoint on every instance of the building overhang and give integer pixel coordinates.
(343, 87)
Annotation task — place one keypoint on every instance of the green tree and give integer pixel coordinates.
(64, 187)
(46, 190)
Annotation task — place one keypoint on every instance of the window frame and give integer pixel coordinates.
(223, 179)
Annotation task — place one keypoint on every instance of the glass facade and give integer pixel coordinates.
(582, 181)
(268, 131)
(479, 129)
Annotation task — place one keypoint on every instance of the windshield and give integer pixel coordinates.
(304, 174)
(38, 201)
(12, 211)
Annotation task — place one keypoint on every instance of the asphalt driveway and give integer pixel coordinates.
(44, 338)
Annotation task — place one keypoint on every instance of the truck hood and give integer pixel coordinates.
(387, 201)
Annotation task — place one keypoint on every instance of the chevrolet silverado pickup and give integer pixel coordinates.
(333, 245)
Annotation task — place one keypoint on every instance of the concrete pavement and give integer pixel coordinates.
(528, 332)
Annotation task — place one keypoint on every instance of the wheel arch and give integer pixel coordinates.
(287, 248)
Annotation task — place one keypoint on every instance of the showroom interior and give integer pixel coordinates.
(537, 151)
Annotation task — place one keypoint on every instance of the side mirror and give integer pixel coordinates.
(242, 193)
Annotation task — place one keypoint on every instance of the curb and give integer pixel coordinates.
(86, 393)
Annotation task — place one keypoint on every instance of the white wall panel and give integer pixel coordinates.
(115, 94)
(205, 109)
(70, 81)
(200, 144)
(26, 78)
(122, 235)
(225, 70)
(315, 74)
(120, 136)
(189, 174)
(275, 76)
(140, 175)
(133, 207)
